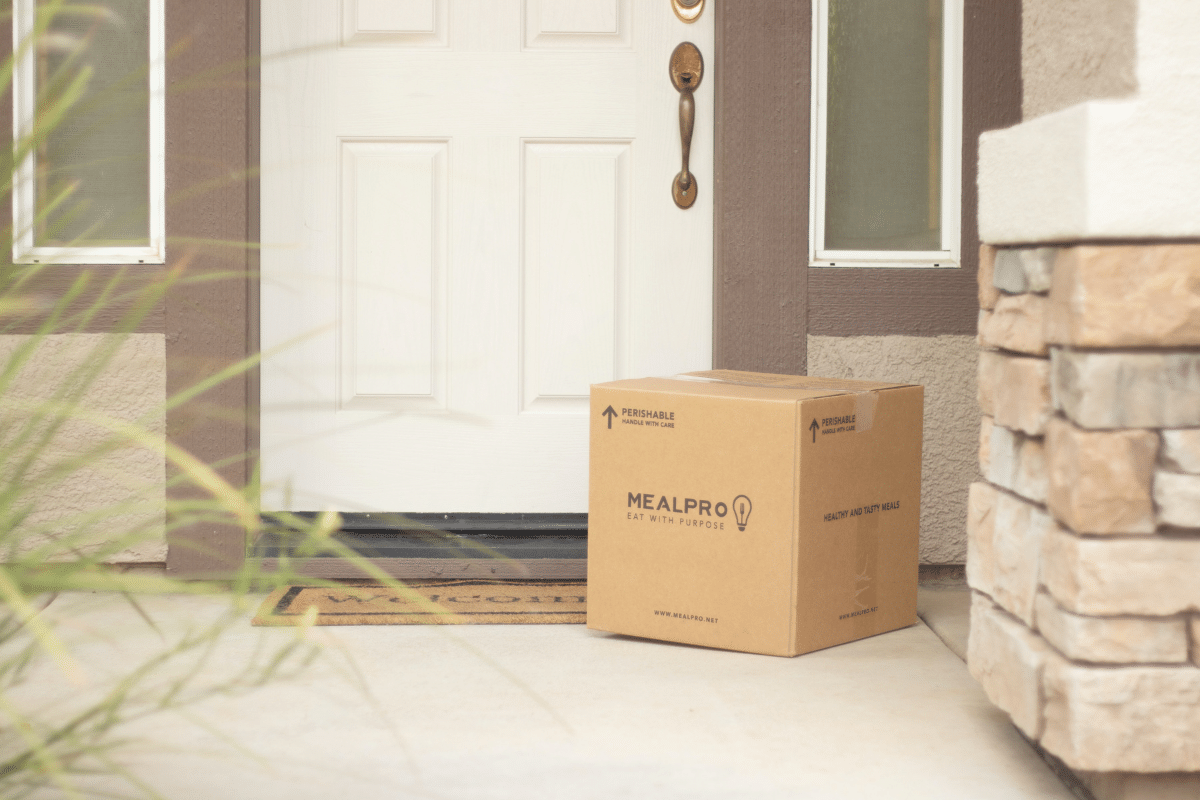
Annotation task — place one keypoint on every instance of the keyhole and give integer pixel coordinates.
(685, 78)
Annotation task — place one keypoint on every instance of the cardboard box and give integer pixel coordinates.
(766, 513)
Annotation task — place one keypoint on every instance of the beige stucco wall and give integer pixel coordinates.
(1076, 50)
(129, 387)
(946, 367)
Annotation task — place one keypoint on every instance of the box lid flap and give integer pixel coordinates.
(735, 383)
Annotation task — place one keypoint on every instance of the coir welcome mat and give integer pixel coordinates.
(430, 602)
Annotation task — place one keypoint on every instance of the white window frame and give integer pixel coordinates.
(952, 56)
(24, 104)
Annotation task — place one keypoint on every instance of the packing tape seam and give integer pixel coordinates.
(864, 402)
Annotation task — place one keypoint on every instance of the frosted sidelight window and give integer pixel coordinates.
(887, 133)
(88, 123)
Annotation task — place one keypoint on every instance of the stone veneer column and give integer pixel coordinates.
(1084, 549)
(1084, 541)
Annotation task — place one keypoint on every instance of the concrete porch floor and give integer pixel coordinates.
(527, 711)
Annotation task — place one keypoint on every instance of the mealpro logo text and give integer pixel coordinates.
(691, 506)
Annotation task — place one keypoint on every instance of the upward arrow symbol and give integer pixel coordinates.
(608, 412)
(814, 428)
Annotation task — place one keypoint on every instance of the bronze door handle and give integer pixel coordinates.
(687, 70)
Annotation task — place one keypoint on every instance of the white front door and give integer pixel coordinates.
(467, 219)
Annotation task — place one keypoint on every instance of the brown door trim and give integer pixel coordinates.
(760, 263)
(212, 198)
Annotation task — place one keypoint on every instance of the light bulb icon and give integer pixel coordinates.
(741, 511)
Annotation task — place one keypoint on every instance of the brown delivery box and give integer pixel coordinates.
(767, 513)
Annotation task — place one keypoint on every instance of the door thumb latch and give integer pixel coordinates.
(687, 69)
(688, 10)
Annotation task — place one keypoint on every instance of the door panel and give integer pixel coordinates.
(467, 220)
(576, 206)
(393, 270)
(411, 23)
(588, 24)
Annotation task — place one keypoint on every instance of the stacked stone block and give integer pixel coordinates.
(1084, 541)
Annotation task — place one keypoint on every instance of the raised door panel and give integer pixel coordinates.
(395, 23)
(393, 274)
(578, 24)
(575, 200)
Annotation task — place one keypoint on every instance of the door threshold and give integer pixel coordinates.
(407, 569)
(424, 546)
(516, 524)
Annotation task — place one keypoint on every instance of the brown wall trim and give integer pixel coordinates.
(761, 185)
(120, 313)
(211, 96)
(931, 302)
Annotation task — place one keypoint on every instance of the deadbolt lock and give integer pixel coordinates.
(688, 10)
